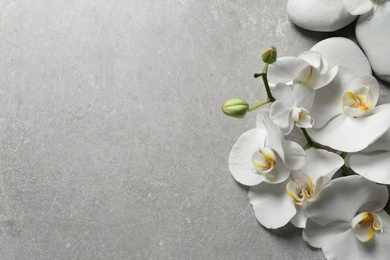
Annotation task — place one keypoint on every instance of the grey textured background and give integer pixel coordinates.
(113, 144)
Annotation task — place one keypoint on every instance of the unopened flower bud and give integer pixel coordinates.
(235, 107)
(270, 55)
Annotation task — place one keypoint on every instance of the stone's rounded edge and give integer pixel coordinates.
(317, 15)
(373, 35)
(343, 52)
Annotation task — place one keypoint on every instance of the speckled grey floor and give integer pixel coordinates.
(113, 145)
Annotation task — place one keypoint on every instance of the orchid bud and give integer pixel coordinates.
(269, 55)
(235, 107)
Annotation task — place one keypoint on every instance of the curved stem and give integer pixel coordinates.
(259, 105)
(387, 209)
(343, 154)
(309, 141)
(345, 170)
(266, 85)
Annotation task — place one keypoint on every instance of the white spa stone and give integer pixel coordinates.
(343, 52)
(373, 35)
(319, 15)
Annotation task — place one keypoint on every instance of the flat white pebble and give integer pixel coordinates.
(319, 15)
(373, 35)
(343, 52)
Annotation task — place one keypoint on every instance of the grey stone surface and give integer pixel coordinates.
(113, 145)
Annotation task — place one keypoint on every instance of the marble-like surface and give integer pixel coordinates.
(113, 144)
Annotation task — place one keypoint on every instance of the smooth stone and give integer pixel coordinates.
(343, 52)
(319, 15)
(373, 36)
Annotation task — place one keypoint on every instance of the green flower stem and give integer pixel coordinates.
(387, 209)
(266, 85)
(343, 155)
(310, 142)
(345, 170)
(259, 105)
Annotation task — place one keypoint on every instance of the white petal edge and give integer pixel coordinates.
(279, 174)
(273, 207)
(328, 100)
(299, 220)
(283, 92)
(295, 156)
(280, 115)
(358, 7)
(274, 136)
(348, 134)
(375, 166)
(343, 198)
(338, 240)
(284, 70)
(240, 158)
(320, 162)
(303, 96)
(312, 57)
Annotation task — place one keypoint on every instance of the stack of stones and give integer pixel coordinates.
(372, 31)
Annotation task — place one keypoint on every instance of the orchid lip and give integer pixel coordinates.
(263, 160)
(366, 226)
(356, 103)
(307, 76)
(302, 117)
(301, 189)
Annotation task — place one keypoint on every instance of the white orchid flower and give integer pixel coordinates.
(347, 221)
(291, 106)
(277, 204)
(262, 154)
(345, 113)
(374, 161)
(358, 7)
(308, 69)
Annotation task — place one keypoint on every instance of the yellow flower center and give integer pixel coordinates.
(366, 225)
(301, 189)
(264, 160)
(358, 102)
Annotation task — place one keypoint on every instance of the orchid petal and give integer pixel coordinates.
(280, 115)
(272, 205)
(283, 93)
(375, 166)
(303, 96)
(295, 156)
(279, 173)
(364, 82)
(320, 162)
(308, 76)
(328, 100)
(382, 144)
(358, 7)
(349, 134)
(240, 159)
(313, 58)
(284, 70)
(315, 234)
(329, 76)
(320, 185)
(343, 198)
(300, 218)
(383, 241)
(305, 122)
(338, 240)
(274, 137)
